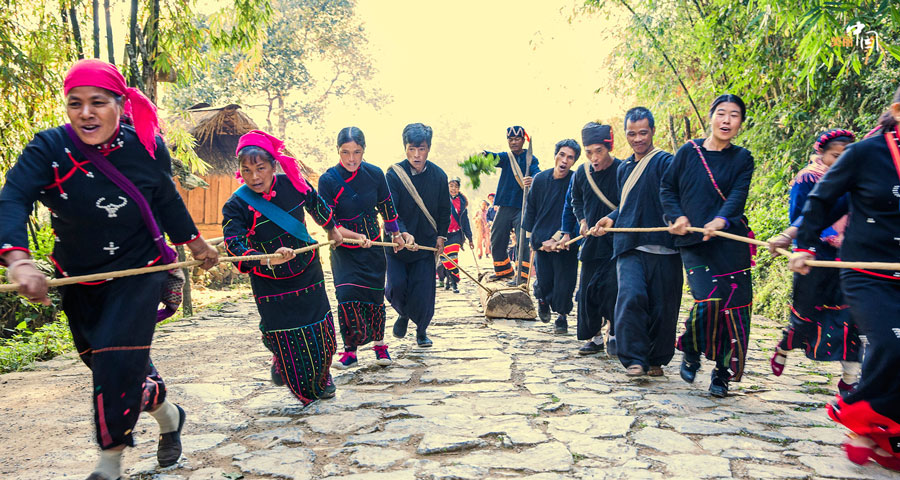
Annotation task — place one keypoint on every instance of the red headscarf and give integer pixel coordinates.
(97, 73)
(275, 147)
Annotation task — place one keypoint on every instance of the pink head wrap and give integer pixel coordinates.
(97, 73)
(275, 147)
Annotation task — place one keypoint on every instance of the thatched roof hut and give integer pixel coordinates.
(217, 130)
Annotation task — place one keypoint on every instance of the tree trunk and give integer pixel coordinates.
(688, 133)
(132, 49)
(76, 32)
(672, 133)
(282, 122)
(109, 34)
(96, 9)
(187, 308)
(269, 115)
(151, 42)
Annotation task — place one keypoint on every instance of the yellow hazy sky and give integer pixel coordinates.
(471, 68)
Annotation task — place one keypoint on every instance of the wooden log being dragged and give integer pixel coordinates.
(506, 302)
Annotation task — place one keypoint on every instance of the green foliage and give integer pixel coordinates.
(786, 59)
(26, 347)
(311, 51)
(476, 165)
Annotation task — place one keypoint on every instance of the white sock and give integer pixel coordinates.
(110, 464)
(167, 417)
(598, 339)
(850, 371)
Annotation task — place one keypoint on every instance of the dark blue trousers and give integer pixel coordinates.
(410, 289)
(647, 307)
(557, 273)
(596, 297)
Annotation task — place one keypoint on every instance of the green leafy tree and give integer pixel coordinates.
(801, 66)
(313, 52)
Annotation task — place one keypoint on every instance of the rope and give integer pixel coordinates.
(421, 247)
(12, 287)
(95, 277)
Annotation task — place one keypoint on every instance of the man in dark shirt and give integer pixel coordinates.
(592, 193)
(557, 269)
(648, 266)
(515, 175)
(410, 271)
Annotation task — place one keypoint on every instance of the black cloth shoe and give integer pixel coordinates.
(544, 311)
(611, 348)
(494, 277)
(400, 326)
(590, 348)
(275, 372)
(423, 340)
(689, 370)
(169, 450)
(515, 282)
(561, 327)
(329, 390)
(719, 385)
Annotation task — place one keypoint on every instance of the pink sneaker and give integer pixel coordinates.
(382, 357)
(346, 360)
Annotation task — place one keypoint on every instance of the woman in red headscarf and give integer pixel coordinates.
(266, 215)
(106, 184)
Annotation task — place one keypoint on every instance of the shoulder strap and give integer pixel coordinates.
(708, 171)
(636, 174)
(407, 182)
(891, 139)
(517, 172)
(281, 218)
(167, 255)
(595, 188)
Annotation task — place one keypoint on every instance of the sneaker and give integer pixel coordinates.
(455, 287)
(844, 388)
(447, 285)
(347, 360)
(423, 340)
(561, 327)
(330, 388)
(275, 372)
(611, 348)
(494, 277)
(718, 387)
(544, 311)
(689, 370)
(440, 284)
(655, 371)
(382, 357)
(400, 326)
(590, 348)
(169, 449)
(516, 282)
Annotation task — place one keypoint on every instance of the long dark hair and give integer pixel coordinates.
(887, 121)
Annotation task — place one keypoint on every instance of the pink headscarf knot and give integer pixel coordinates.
(275, 147)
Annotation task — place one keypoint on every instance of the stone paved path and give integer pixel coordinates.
(498, 399)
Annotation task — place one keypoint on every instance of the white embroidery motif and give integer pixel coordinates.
(111, 248)
(111, 208)
(896, 332)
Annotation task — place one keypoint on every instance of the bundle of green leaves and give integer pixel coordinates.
(477, 164)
